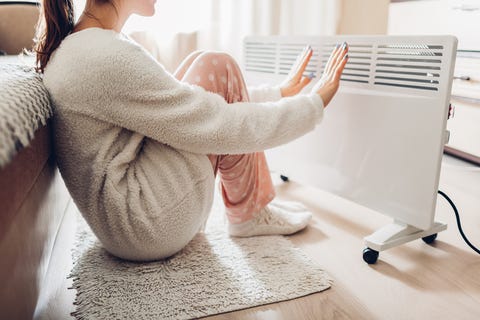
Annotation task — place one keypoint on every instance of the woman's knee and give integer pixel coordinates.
(217, 59)
(186, 63)
(193, 56)
(218, 72)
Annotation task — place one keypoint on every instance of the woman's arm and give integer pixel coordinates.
(264, 93)
(134, 92)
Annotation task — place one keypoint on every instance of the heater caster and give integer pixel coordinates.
(370, 256)
(429, 239)
(284, 178)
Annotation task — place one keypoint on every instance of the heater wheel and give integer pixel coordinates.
(429, 239)
(370, 256)
(284, 178)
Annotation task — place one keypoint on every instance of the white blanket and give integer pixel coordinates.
(24, 107)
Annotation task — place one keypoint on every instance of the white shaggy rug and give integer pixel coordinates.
(213, 274)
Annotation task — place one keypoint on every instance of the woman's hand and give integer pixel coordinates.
(328, 85)
(296, 81)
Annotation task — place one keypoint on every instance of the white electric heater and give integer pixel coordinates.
(381, 141)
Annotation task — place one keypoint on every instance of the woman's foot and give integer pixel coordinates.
(272, 220)
(290, 206)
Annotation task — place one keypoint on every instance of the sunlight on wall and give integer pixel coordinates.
(171, 17)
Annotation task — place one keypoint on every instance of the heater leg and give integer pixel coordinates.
(395, 234)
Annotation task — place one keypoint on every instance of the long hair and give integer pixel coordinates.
(56, 22)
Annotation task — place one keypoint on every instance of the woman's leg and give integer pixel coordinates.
(186, 63)
(245, 180)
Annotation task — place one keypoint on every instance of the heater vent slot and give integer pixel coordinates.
(260, 56)
(414, 66)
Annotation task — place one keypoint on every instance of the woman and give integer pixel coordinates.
(139, 149)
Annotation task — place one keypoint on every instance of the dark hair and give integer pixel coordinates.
(57, 21)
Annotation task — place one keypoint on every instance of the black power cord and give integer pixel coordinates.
(458, 221)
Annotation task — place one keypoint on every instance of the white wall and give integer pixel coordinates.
(364, 17)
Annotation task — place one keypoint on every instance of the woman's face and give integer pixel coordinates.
(144, 8)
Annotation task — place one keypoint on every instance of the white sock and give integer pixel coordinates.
(271, 220)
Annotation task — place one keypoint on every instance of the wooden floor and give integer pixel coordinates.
(413, 281)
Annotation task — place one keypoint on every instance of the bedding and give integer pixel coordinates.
(24, 107)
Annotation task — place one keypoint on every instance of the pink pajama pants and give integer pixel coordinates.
(245, 181)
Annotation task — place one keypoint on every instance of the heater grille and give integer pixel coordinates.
(403, 65)
(261, 57)
(409, 66)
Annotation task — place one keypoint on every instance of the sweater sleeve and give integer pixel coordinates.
(137, 93)
(264, 93)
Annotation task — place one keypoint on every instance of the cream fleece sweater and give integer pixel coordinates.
(131, 141)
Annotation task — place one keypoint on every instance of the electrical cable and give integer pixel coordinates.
(457, 216)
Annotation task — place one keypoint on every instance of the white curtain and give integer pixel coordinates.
(181, 26)
(234, 19)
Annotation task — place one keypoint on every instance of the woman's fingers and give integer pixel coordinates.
(330, 82)
(301, 64)
(295, 81)
(306, 80)
(337, 60)
(303, 83)
(340, 68)
(335, 57)
(296, 64)
(330, 59)
(305, 61)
